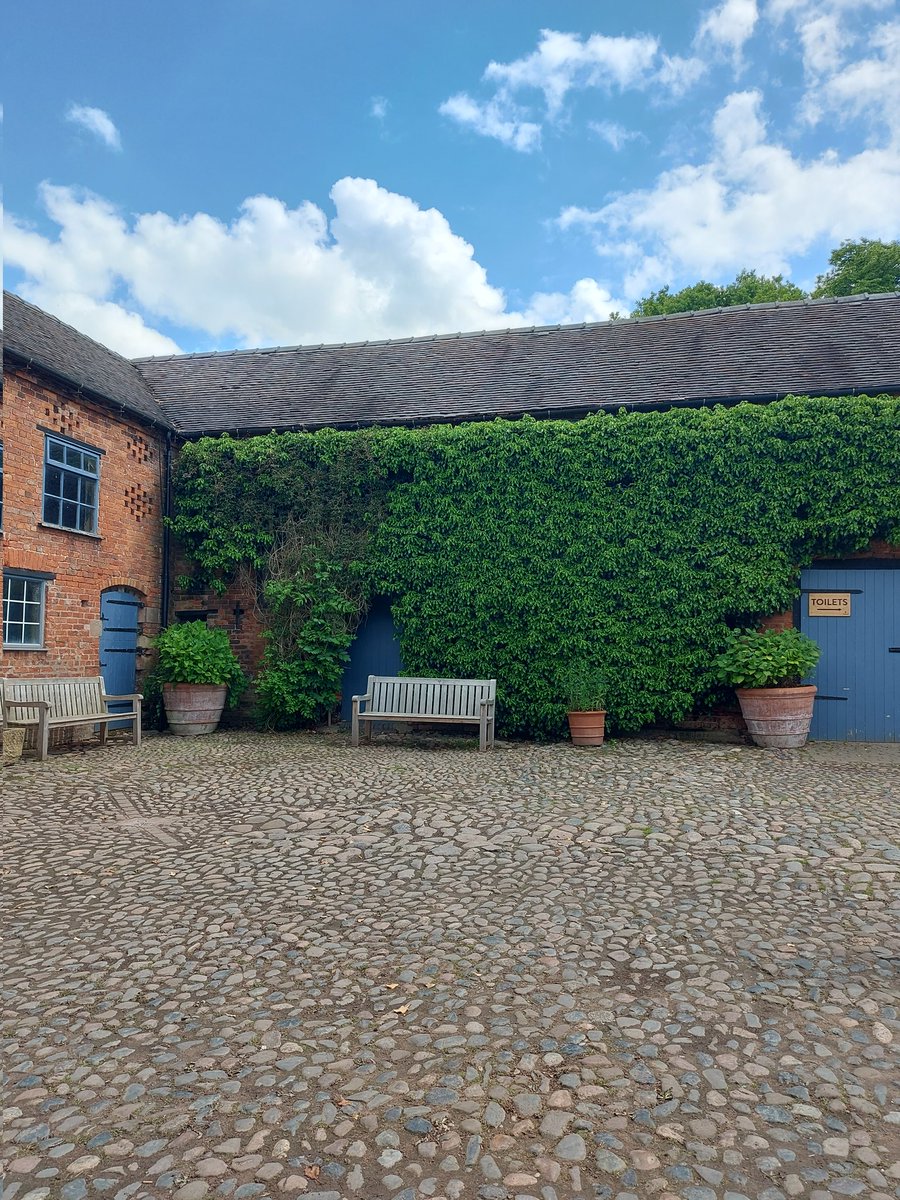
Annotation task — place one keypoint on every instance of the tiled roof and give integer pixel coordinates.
(35, 338)
(753, 352)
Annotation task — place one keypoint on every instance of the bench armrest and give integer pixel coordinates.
(486, 703)
(357, 700)
(130, 696)
(41, 704)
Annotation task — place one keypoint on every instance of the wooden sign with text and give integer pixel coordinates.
(828, 604)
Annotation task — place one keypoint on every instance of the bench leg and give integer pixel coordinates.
(104, 730)
(369, 725)
(483, 732)
(354, 728)
(43, 736)
(136, 724)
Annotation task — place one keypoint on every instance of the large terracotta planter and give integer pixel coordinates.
(193, 708)
(777, 718)
(587, 728)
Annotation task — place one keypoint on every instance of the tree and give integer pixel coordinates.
(863, 266)
(746, 288)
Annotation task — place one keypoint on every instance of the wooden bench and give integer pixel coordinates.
(457, 701)
(47, 704)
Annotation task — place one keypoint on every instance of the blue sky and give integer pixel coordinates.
(196, 175)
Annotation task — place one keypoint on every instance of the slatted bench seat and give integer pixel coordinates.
(457, 701)
(47, 704)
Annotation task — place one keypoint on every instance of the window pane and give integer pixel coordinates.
(53, 481)
(22, 611)
(70, 487)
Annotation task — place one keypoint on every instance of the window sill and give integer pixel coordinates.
(97, 537)
(31, 649)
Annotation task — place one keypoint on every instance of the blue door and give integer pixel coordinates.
(858, 675)
(119, 615)
(374, 651)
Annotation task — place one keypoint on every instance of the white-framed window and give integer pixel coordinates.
(71, 485)
(23, 611)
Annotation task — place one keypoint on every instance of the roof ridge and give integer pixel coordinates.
(806, 301)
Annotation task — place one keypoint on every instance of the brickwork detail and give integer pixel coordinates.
(139, 447)
(128, 550)
(139, 502)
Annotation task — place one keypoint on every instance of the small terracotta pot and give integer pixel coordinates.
(193, 709)
(778, 718)
(587, 728)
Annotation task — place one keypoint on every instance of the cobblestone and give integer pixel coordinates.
(264, 966)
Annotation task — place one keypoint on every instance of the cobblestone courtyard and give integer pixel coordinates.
(254, 966)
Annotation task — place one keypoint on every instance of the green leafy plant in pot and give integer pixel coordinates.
(199, 673)
(584, 689)
(765, 668)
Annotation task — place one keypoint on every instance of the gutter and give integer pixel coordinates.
(167, 535)
(31, 363)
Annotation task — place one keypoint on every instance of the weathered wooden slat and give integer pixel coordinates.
(390, 698)
(61, 702)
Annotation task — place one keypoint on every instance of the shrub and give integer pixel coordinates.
(754, 659)
(194, 653)
(583, 687)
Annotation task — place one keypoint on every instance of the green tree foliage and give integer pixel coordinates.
(627, 542)
(746, 288)
(860, 267)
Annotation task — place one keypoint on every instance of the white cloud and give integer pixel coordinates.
(587, 301)
(752, 203)
(727, 27)
(677, 75)
(615, 135)
(562, 63)
(382, 267)
(865, 88)
(494, 118)
(378, 108)
(97, 122)
(822, 42)
(777, 10)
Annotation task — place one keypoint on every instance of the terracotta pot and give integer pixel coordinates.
(193, 708)
(587, 728)
(778, 718)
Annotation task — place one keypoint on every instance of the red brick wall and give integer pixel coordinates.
(234, 611)
(126, 554)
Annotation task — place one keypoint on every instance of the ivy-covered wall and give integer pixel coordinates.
(515, 548)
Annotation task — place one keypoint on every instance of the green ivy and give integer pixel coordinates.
(627, 542)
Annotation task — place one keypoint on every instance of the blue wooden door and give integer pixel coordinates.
(119, 616)
(374, 651)
(858, 675)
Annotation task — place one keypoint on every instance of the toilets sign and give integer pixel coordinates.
(828, 604)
